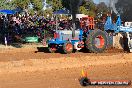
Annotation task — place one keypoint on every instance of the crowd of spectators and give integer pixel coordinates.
(15, 27)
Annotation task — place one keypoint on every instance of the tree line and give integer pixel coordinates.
(87, 7)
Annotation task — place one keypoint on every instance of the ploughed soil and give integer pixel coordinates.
(37, 68)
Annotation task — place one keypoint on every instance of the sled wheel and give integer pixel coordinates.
(52, 48)
(84, 81)
(97, 41)
(68, 48)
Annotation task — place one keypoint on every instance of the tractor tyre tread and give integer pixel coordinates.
(90, 41)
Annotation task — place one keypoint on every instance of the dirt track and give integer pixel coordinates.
(32, 68)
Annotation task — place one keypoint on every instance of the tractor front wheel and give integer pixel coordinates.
(68, 48)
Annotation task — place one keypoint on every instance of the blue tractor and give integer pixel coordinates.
(95, 40)
(87, 36)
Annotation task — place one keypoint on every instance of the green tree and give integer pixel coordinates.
(102, 9)
(48, 11)
(72, 5)
(31, 11)
(56, 4)
(88, 8)
(37, 4)
(21, 3)
(24, 4)
(83, 10)
(6, 5)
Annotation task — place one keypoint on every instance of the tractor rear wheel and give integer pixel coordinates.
(97, 41)
(68, 48)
